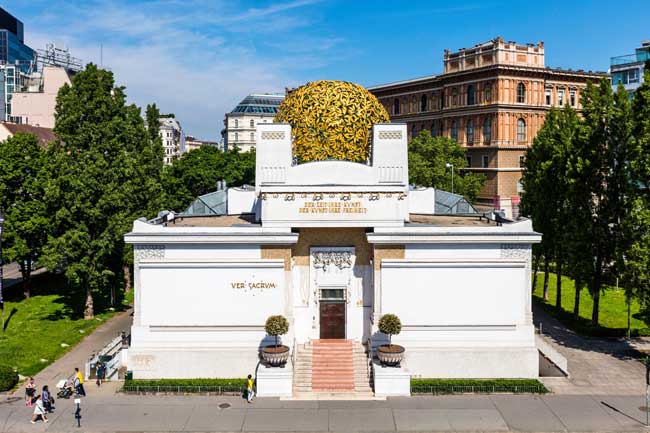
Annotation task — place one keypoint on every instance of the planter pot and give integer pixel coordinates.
(390, 355)
(275, 356)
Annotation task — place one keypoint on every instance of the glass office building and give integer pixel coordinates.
(628, 69)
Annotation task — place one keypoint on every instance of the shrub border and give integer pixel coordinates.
(476, 386)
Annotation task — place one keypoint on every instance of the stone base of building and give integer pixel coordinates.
(275, 381)
(191, 363)
(391, 381)
(478, 363)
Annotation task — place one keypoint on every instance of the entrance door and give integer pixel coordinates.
(332, 319)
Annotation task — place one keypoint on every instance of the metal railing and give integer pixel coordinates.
(173, 389)
(478, 389)
(638, 57)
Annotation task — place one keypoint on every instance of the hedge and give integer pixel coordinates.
(459, 386)
(8, 378)
(217, 386)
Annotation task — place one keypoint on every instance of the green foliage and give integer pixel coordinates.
(8, 378)
(459, 386)
(390, 324)
(104, 173)
(276, 325)
(197, 172)
(428, 157)
(186, 382)
(22, 177)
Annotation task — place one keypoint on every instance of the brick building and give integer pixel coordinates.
(492, 99)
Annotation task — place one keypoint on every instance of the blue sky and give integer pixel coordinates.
(198, 58)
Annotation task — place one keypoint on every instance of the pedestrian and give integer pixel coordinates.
(79, 382)
(249, 389)
(39, 410)
(30, 391)
(101, 372)
(47, 399)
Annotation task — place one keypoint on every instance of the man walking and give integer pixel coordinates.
(79, 382)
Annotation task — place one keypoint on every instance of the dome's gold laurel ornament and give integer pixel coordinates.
(331, 120)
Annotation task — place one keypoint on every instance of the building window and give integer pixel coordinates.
(468, 159)
(470, 132)
(486, 161)
(423, 103)
(547, 94)
(560, 97)
(434, 131)
(521, 130)
(414, 131)
(236, 123)
(252, 136)
(454, 130)
(396, 106)
(470, 95)
(454, 97)
(252, 123)
(441, 98)
(522, 161)
(487, 92)
(487, 130)
(521, 93)
(236, 136)
(572, 97)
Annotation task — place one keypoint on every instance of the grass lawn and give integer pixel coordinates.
(36, 328)
(613, 309)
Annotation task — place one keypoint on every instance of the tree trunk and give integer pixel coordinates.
(545, 278)
(126, 269)
(595, 289)
(558, 284)
(576, 302)
(594, 312)
(535, 269)
(26, 272)
(89, 311)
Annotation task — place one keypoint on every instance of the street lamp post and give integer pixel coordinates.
(2, 302)
(448, 165)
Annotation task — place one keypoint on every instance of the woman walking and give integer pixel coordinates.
(47, 399)
(249, 389)
(39, 410)
(30, 391)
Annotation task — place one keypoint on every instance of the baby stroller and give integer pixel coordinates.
(66, 389)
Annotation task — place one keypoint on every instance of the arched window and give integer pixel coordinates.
(470, 95)
(236, 123)
(414, 131)
(423, 103)
(487, 92)
(434, 131)
(521, 130)
(396, 106)
(454, 97)
(521, 93)
(454, 130)
(252, 123)
(487, 130)
(470, 132)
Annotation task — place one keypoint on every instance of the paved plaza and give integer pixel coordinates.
(526, 413)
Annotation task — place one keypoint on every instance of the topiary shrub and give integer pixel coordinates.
(276, 325)
(331, 120)
(390, 325)
(8, 378)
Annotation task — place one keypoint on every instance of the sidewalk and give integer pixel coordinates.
(497, 413)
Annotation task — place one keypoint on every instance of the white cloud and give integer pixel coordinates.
(196, 58)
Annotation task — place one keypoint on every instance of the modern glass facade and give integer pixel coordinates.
(628, 69)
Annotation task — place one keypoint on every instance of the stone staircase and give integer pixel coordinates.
(331, 369)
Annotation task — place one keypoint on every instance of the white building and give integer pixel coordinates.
(35, 101)
(192, 143)
(240, 123)
(332, 245)
(173, 139)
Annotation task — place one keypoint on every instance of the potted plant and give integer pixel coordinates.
(278, 354)
(390, 354)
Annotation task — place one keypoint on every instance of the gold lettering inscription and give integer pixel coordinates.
(250, 285)
(332, 207)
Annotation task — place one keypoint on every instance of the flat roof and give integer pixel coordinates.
(215, 221)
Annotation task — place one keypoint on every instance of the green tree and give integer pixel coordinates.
(22, 164)
(428, 158)
(197, 172)
(95, 186)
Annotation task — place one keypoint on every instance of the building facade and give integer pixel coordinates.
(241, 123)
(332, 246)
(173, 139)
(33, 103)
(192, 143)
(628, 70)
(492, 99)
(12, 42)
